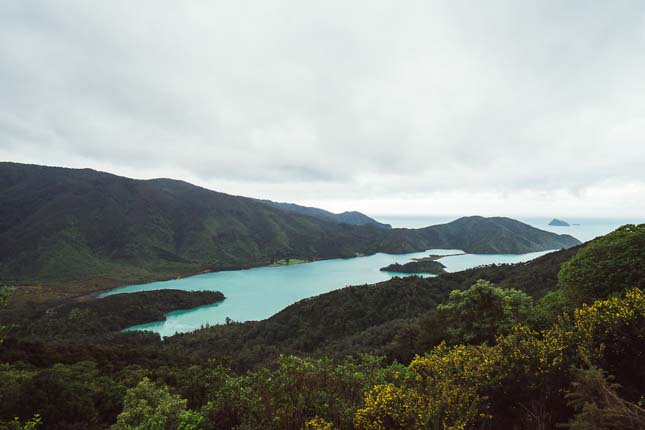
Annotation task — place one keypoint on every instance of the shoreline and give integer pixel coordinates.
(262, 274)
(435, 257)
(96, 293)
(93, 295)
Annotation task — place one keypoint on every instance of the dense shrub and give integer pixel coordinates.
(467, 387)
(490, 359)
(608, 265)
(481, 313)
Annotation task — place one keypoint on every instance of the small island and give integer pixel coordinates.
(425, 266)
(558, 223)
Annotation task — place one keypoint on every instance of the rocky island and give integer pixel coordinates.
(559, 223)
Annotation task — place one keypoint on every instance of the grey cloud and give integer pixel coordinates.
(330, 98)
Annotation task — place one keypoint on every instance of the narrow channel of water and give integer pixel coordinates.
(255, 294)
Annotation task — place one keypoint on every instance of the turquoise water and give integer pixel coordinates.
(256, 294)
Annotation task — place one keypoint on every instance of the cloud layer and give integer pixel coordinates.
(425, 107)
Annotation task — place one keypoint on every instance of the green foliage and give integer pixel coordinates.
(547, 310)
(15, 424)
(5, 294)
(320, 326)
(149, 406)
(297, 392)
(524, 373)
(110, 314)
(598, 405)
(608, 265)
(190, 420)
(396, 318)
(62, 225)
(67, 397)
(516, 380)
(433, 267)
(197, 383)
(520, 378)
(482, 312)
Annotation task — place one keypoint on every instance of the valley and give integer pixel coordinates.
(257, 294)
(118, 287)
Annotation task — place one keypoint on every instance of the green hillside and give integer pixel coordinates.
(375, 318)
(504, 346)
(62, 225)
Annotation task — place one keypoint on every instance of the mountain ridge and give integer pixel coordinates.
(347, 217)
(61, 225)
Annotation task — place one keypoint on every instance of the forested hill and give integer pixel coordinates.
(481, 235)
(458, 352)
(59, 225)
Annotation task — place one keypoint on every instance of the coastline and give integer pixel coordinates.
(105, 285)
(435, 257)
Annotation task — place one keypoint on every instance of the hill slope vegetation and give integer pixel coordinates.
(461, 351)
(62, 225)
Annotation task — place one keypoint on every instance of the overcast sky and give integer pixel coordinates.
(402, 107)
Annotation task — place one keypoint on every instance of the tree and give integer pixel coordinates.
(482, 312)
(606, 266)
(151, 407)
(547, 309)
(16, 424)
(523, 377)
(599, 407)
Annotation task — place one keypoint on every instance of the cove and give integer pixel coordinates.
(255, 294)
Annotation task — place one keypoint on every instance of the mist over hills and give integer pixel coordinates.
(59, 225)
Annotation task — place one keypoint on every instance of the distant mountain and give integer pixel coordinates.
(559, 223)
(60, 225)
(495, 235)
(351, 217)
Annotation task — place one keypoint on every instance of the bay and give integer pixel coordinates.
(255, 294)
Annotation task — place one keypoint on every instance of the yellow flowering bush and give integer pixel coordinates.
(388, 407)
(462, 387)
(318, 423)
(606, 316)
(445, 394)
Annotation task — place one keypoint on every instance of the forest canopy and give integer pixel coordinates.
(526, 346)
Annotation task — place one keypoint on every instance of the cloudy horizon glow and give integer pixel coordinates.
(390, 108)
